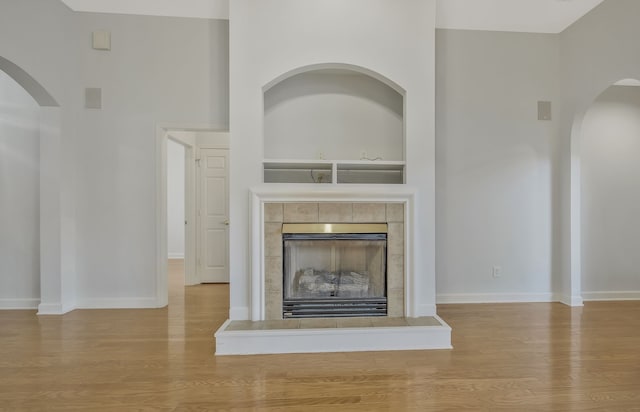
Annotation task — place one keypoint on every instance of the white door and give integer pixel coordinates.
(213, 260)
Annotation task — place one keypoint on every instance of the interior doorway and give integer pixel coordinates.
(206, 207)
(176, 218)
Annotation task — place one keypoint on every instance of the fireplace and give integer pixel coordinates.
(274, 208)
(334, 270)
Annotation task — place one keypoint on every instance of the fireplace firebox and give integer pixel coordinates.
(334, 270)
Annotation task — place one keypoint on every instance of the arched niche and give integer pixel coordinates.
(335, 112)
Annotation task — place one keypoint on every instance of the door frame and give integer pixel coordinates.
(163, 133)
(191, 275)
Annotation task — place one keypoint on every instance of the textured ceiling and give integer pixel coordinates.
(536, 16)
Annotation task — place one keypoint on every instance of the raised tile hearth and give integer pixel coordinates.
(332, 335)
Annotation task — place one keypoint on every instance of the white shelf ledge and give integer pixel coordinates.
(341, 171)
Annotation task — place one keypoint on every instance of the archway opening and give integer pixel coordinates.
(56, 287)
(610, 194)
(19, 196)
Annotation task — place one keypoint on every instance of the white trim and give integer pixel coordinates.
(191, 274)
(275, 193)
(176, 256)
(598, 296)
(54, 309)
(575, 217)
(162, 291)
(19, 304)
(573, 301)
(118, 303)
(446, 298)
(253, 342)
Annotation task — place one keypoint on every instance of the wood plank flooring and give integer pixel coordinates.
(506, 357)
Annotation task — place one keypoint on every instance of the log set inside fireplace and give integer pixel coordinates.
(328, 273)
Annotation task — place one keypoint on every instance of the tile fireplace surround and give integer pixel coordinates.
(275, 214)
(267, 332)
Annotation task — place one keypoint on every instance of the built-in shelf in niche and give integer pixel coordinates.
(334, 171)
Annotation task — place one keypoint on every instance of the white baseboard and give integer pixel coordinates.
(54, 308)
(496, 298)
(19, 304)
(117, 303)
(176, 256)
(595, 296)
(572, 300)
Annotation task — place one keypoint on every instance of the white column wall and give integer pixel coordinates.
(271, 38)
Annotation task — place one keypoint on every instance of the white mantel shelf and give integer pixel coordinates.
(313, 192)
(247, 341)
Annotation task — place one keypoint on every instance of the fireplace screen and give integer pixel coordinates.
(334, 274)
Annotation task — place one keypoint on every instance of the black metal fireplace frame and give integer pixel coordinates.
(333, 307)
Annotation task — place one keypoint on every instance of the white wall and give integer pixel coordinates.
(19, 197)
(159, 70)
(610, 157)
(494, 164)
(272, 38)
(175, 199)
(334, 115)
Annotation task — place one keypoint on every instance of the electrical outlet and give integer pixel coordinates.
(497, 271)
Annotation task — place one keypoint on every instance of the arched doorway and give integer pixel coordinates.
(610, 194)
(56, 241)
(573, 280)
(19, 197)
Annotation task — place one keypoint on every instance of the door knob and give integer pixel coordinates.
(226, 222)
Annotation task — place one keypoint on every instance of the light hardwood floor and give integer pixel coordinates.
(507, 357)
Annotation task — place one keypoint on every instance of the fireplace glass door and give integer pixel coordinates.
(334, 275)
